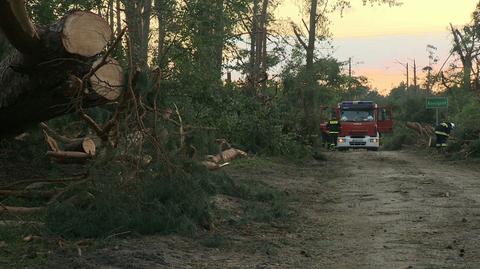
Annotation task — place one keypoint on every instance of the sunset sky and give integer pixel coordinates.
(376, 36)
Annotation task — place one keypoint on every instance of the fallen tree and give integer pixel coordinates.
(425, 133)
(53, 70)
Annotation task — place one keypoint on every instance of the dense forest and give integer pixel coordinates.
(167, 91)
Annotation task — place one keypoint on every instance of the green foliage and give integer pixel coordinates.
(409, 105)
(400, 137)
(26, 254)
(45, 12)
(156, 203)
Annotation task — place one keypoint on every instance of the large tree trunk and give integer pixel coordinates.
(46, 75)
(137, 15)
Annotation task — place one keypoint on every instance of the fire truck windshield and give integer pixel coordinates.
(357, 115)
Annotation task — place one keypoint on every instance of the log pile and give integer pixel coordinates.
(54, 70)
(77, 150)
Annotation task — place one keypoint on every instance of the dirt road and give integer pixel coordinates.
(395, 210)
(358, 210)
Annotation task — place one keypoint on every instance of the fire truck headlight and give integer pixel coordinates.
(341, 140)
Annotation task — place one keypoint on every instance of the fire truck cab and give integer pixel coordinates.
(362, 123)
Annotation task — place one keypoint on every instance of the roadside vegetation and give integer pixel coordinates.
(148, 176)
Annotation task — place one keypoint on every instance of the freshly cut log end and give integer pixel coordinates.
(108, 79)
(85, 34)
(86, 145)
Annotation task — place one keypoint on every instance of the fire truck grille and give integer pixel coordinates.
(357, 143)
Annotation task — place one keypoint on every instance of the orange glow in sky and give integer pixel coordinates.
(426, 19)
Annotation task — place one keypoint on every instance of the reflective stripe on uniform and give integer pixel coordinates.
(334, 132)
(445, 125)
(441, 133)
(333, 122)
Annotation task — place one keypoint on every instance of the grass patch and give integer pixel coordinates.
(215, 241)
(16, 253)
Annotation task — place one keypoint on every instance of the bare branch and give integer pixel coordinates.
(299, 37)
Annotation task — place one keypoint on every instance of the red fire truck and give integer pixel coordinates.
(362, 123)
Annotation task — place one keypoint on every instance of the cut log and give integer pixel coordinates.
(213, 166)
(107, 81)
(85, 34)
(210, 165)
(40, 79)
(28, 194)
(86, 145)
(227, 155)
(30, 181)
(69, 155)
(20, 210)
(52, 143)
(19, 223)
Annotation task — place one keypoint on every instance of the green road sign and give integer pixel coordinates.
(437, 102)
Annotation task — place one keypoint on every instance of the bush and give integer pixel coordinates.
(400, 137)
(156, 203)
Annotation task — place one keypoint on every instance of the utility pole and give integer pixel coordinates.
(414, 73)
(408, 79)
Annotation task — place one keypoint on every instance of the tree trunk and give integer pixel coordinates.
(159, 6)
(219, 33)
(261, 45)
(312, 35)
(45, 76)
(308, 92)
(467, 73)
(252, 85)
(118, 13)
(137, 14)
(264, 61)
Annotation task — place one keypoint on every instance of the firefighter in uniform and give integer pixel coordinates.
(333, 127)
(442, 131)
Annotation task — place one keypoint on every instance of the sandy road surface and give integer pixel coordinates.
(396, 210)
(358, 210)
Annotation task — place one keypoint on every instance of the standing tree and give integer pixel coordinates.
(317, 29)
(138, 14)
